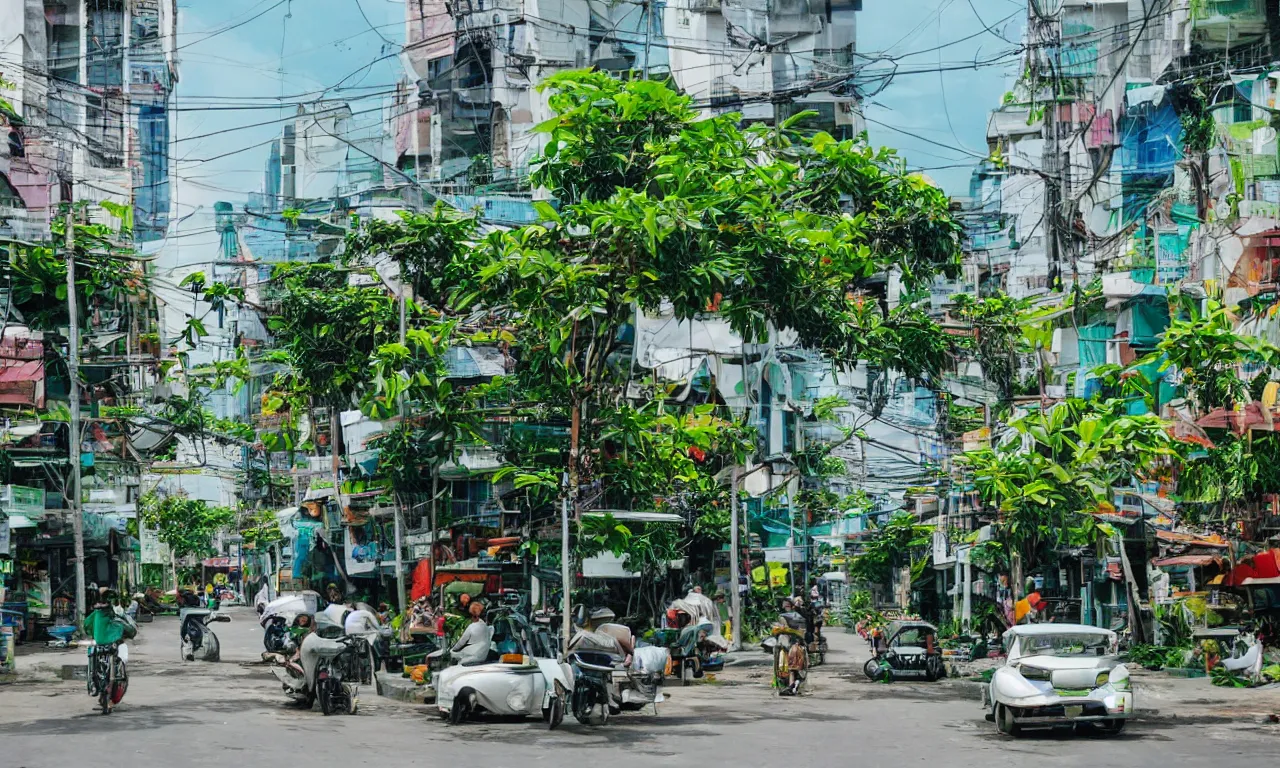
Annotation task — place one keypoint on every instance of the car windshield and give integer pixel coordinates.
(1065, 644)
(912, 636)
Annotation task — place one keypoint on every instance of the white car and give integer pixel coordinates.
(1059, 674)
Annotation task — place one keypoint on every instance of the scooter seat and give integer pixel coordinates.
(597, 658)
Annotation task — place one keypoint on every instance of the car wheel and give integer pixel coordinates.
(1110, 727)
(1005, 721)
(461, 707)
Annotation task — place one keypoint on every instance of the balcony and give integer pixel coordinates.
(473, 103)
(1220, 24)
(486, 512)
(833, 62)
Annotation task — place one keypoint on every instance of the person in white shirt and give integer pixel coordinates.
(473, 647)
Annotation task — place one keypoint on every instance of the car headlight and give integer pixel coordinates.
(1034, 673)
(1120, 678)
(1102, 679)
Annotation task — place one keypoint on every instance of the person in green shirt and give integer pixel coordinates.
(104, 625)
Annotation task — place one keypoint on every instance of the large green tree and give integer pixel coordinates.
(662, 209)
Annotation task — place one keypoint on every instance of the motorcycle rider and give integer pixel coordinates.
(810, 621)
(106, 626)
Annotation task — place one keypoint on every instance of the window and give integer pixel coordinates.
(63, 30)
(9, 197)
(104, 50)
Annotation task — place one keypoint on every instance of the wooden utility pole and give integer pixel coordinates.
(73, 439)
(735, 547)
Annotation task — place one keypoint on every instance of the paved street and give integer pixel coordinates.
(232, 714)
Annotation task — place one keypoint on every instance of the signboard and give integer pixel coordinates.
(418, 546)
(153, 551)
(362, 556)
(1171, 257)
(4, 535)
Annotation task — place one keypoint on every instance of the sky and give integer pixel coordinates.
(270, 55)
(230, 57)
(946, 110)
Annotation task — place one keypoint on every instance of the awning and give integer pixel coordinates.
(22, 382)
(1173, 537)
(1254, 416)
(1253, 569)
(625, 516)
(20, 521)
(1187, 560)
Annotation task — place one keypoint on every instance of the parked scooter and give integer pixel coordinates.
(331, 667)
(694, 643)
(197, 642)
(610, 673)
(279, 614)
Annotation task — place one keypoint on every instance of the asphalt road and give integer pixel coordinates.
(229, 714)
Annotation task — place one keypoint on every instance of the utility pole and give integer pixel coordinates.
(735, 547)
(73, 440)
(1049, 30)
(648, 34)
(566, 621)
(399, 542)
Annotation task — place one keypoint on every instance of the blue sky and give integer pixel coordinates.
(946, 110)
(230, 59)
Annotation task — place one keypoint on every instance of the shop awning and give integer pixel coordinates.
(1187, 560)
(22, 382)
(1174, 537)
(1253, 569)
(626, 516)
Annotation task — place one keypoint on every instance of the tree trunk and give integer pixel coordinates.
(1015, 575)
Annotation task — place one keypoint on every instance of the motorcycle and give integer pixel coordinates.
(790, 654)
(522, 676)
(608, 679)
(331, 667)
(694, 644)
(108, 678)
(196, 639)
(279, 614)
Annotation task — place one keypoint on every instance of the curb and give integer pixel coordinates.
(398, 688)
